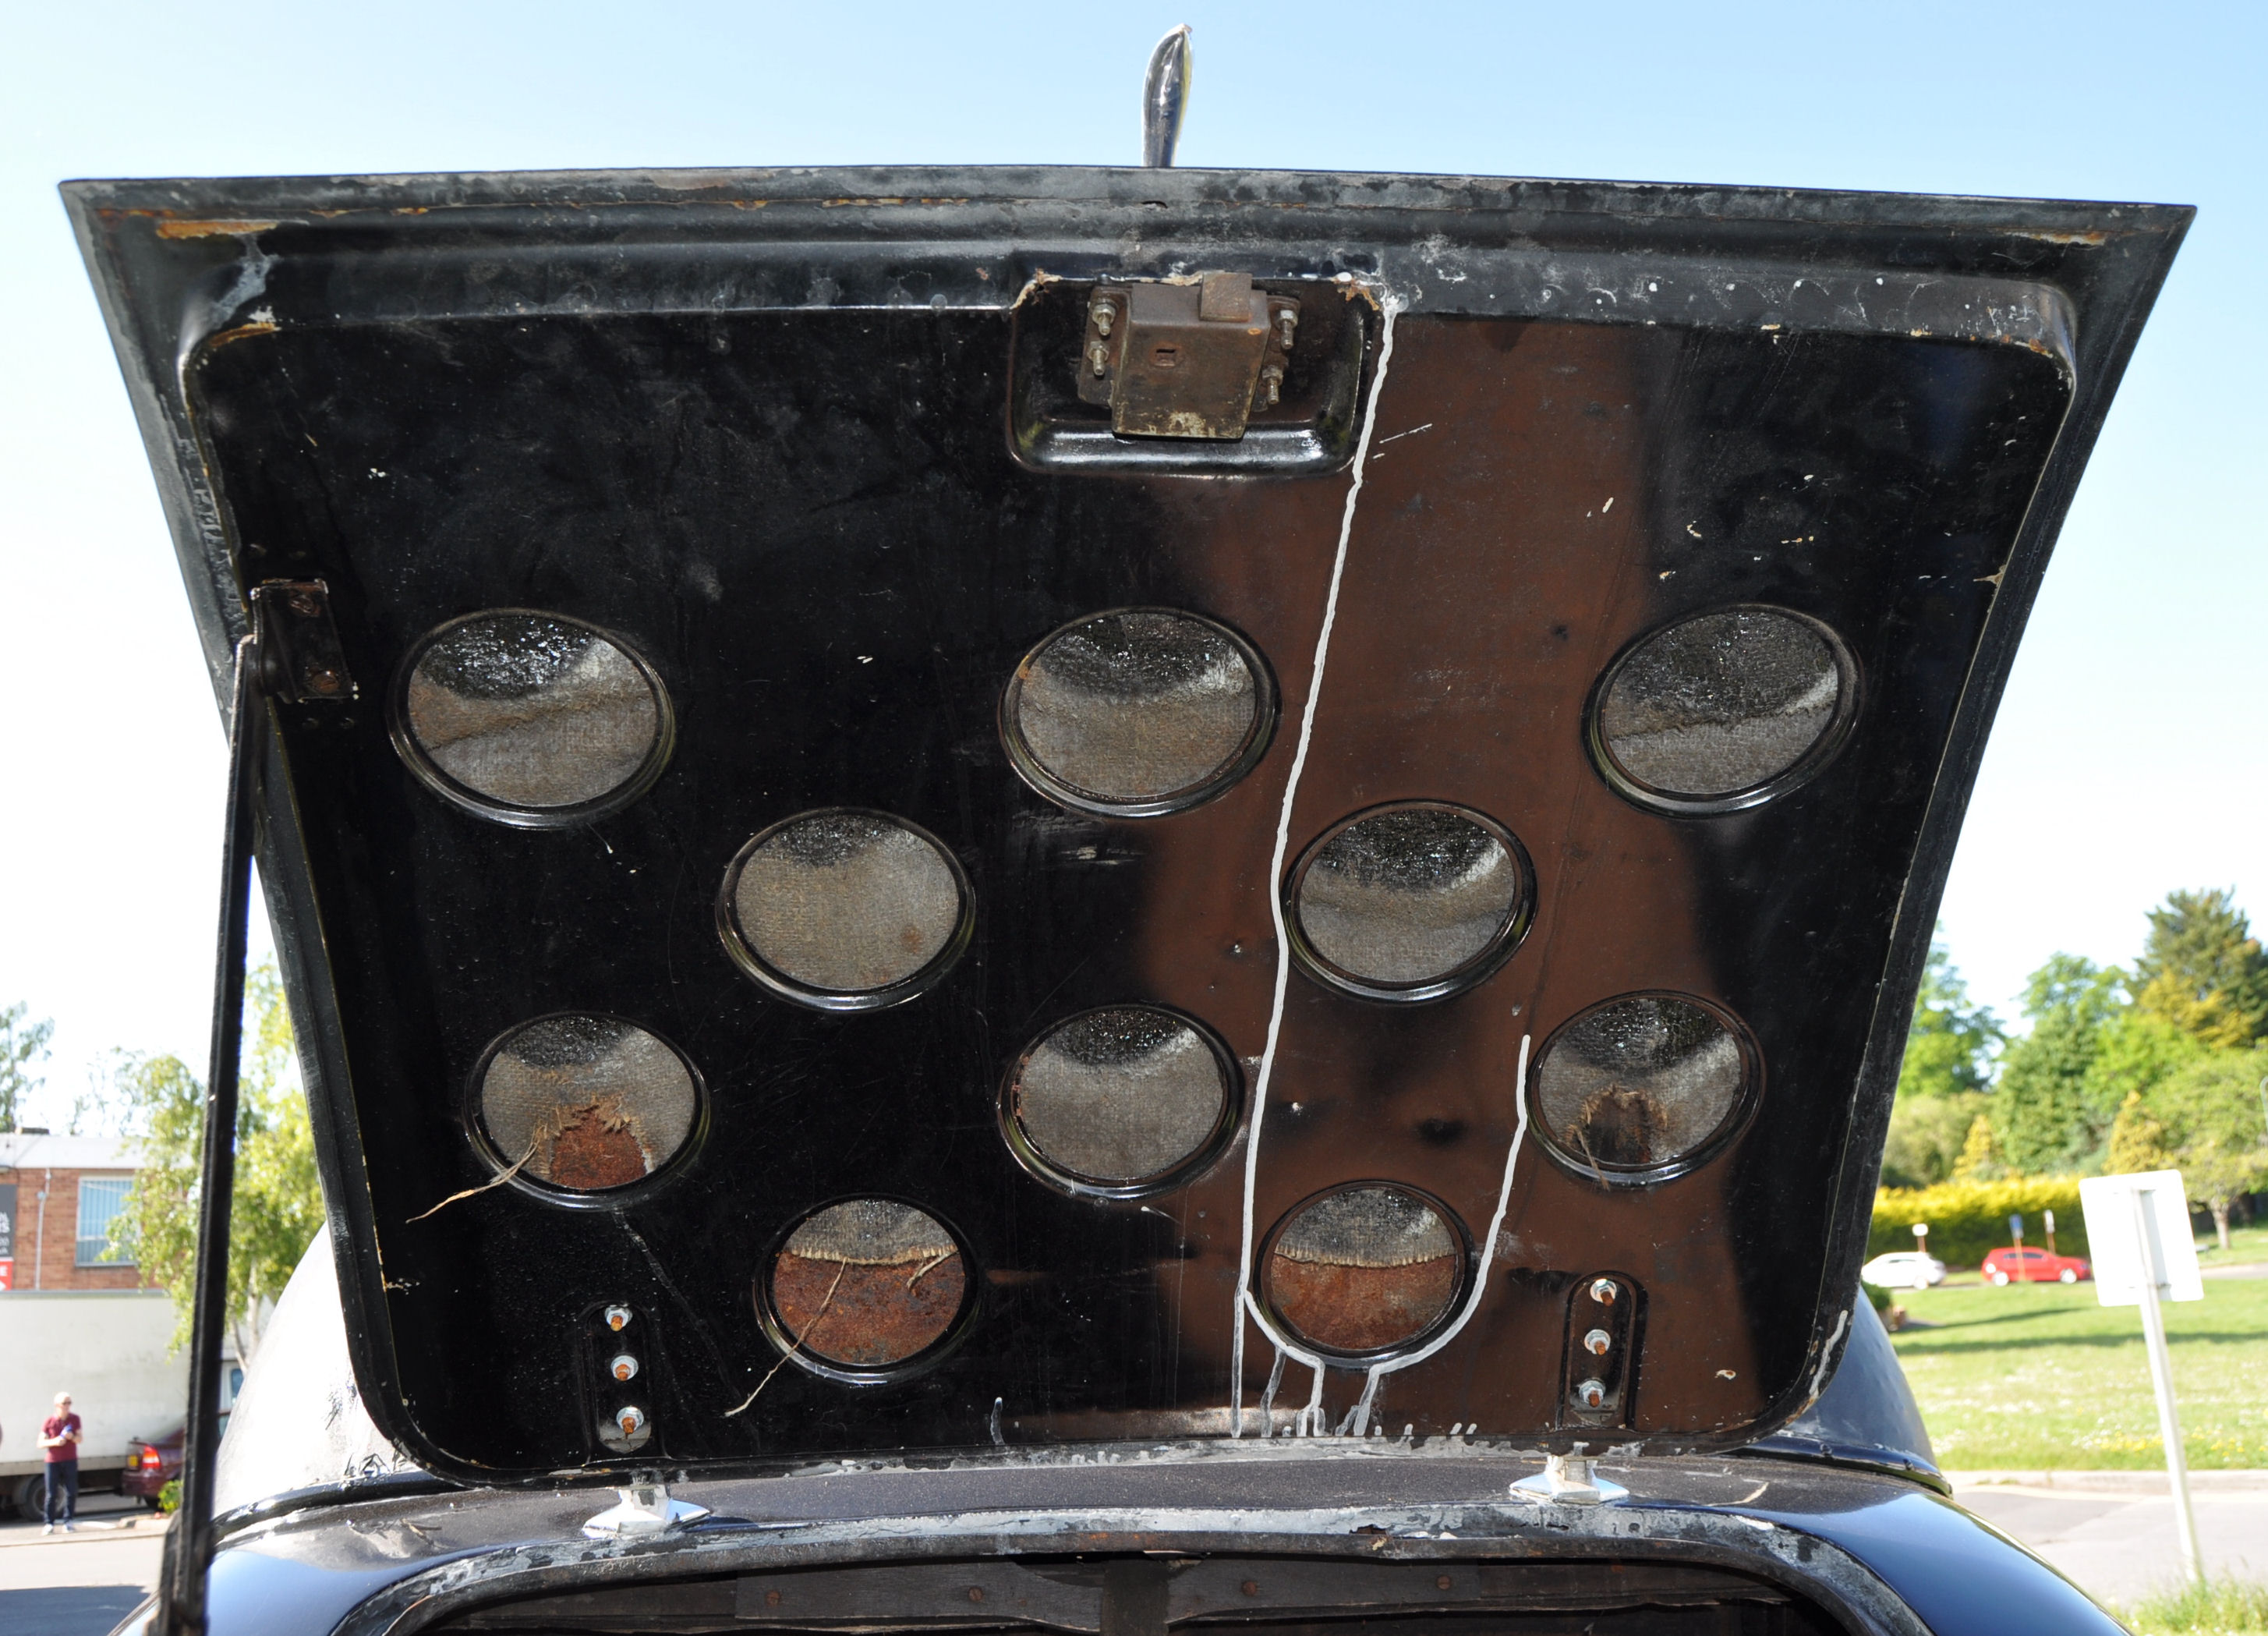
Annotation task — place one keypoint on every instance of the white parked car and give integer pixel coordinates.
(1905, 1268)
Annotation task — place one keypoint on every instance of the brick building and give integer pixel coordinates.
(57, 1195)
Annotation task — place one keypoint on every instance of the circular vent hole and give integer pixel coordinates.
(1138, 712)
(1122, 1099)
(1724, 710)
(1364, 1270)
(1642, 1086)
(868, 1284)
(845, 910)
(532, 719)
(1411, 901)
(585, 1103)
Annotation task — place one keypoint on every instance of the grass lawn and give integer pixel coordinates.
(2245, 1243)
(2036, 1377)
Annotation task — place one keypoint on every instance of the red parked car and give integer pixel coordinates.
(2012, 1265)
(149, 1465)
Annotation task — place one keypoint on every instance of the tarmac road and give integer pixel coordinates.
(78, 1584)
(2113, 1532)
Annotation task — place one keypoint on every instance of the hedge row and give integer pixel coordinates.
(1967, 1219)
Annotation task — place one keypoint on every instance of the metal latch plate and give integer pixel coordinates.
(1186, 359)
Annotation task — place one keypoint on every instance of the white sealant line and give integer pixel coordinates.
(1389, 306)
(1379, 1371)
(1826, 1354)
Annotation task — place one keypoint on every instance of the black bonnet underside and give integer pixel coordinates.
(840, 1023)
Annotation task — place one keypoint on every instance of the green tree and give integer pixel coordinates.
(1926, 1137)
(1979, 1160)
(2138, 1139)
(2134, 1053)
(22, 1043)
(163, 1107)
(2051, 1117)
(1950, 1042)
(277, 1206)
(1941, 1081)
(2210, 1111)
(2203, 971)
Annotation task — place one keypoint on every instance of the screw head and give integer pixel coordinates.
(1592, 1394)
(618, 1318)
(630, 1418)
(1597, 1342)
(320, 679)
(1604, 1290)
(623, 1367)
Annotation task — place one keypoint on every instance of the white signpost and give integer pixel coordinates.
(2139, 1238)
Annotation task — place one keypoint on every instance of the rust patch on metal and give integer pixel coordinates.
(240, 332)
(595, 1147)
(177, 228)
(868, 1283)
(2056, 238)
(1363, 1269)
(1361, 1308)
(1624, 1125)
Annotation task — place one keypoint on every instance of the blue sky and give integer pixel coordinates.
(2129, 758)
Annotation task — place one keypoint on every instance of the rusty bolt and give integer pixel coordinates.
(975, 1593)
(771, 1599)
(618, 1317)
(623, 1367)
(1274, 376)
(1105, 315)
(303, 603)
(1592, 1394)
(1597, 1342)
(1252, 1587)
(1287, 320)
(1604, 1291)
(320, 679)
(630, 1418)
(1098, 357)
(1441, 1583)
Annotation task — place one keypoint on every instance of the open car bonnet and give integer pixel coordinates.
(926, 809)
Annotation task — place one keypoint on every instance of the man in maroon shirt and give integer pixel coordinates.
(60, 1437)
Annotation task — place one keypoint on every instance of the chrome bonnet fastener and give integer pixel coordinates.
(643, 1508)
(1569, 1480)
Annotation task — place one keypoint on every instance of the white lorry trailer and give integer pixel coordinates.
(111, 1349)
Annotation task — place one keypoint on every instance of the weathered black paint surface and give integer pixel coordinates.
(813, 525)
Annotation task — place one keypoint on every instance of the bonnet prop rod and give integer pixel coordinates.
(292, 655)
